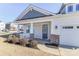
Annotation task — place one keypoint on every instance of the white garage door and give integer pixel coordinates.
(69, 35)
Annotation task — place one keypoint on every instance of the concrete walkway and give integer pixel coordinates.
(59, 51)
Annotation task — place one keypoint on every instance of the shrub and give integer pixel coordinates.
(34, 43)
(24, 42)
(9, 39)
(15, 39)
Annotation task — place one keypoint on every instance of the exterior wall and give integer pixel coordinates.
(38, 29)
(54, 39)
(54, 36)
(54, 30)
(68, 36)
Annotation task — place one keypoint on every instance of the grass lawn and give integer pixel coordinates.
(8, 49)
(4, 33)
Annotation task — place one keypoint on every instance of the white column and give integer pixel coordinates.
(18, 27)
(31, 28)
(52, 27)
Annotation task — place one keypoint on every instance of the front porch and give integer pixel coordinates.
(43, 31)
(37, 30)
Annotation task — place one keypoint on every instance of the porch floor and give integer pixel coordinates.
(42, 41)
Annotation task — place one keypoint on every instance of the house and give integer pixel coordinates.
(2, 26)
(62, 27)
(12, 27)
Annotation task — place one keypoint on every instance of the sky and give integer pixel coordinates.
(10, 11)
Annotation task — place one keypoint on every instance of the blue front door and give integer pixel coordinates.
(45, 31)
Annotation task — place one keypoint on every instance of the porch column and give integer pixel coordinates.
(18, 27)
(54, 37)
(31, 30)
(52, 27)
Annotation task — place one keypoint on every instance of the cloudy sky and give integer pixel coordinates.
(9, 11)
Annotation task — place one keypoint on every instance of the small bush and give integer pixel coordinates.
(24, 42)
(9, 39)
(34, 43)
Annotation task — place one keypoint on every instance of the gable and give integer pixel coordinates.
(33, 12)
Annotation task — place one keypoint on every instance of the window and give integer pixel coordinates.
(67, 27)
(56, 27)
(28, 29)
(77, 7)
(77, 27)
(70, 8)
(45, 27)
(20, 29)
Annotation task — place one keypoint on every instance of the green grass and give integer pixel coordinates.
(4, 33)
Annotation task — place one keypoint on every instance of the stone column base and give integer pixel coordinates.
(54, 39)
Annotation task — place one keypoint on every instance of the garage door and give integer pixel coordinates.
(69, 35)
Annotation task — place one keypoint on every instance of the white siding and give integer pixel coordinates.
(53, 29)
(68, 36)
(38, 29)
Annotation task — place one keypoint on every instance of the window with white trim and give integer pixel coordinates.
(77, 27)
(77, 7)
(70, 8)
(28, 29)
(67, 27)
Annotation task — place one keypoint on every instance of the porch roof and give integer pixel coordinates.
(33, 17)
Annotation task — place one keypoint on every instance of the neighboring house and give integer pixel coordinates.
(2, 26)
(12, 27)
(62, 27)
(7, 26)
